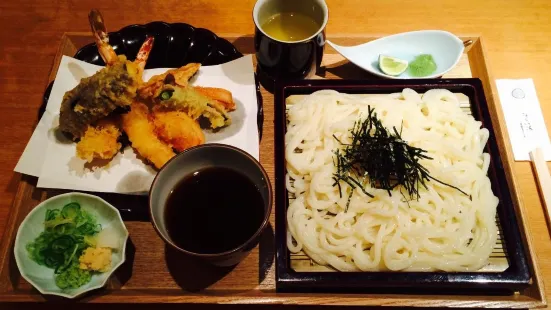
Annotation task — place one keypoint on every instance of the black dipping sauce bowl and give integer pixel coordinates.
(195, 159)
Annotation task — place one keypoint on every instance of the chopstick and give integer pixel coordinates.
(543, 177)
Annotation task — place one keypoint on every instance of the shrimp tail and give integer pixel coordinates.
(143, 53)
(101, 37)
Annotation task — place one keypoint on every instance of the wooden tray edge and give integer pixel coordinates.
(533, 297)
(480, 68)
(311, 299)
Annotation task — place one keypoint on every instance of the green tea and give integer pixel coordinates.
(290, 26)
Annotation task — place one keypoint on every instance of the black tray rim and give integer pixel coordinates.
(516, 277)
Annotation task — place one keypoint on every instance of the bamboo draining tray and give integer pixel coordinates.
(301, 262)
(154, 274)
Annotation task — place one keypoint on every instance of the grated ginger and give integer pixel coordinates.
(97, 259)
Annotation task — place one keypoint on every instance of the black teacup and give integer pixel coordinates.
(280, 55)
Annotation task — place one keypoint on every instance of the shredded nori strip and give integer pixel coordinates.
(381, 158)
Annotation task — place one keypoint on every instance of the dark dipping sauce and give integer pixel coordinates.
(213, 210)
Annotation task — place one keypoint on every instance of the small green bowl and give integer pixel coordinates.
(42, 277)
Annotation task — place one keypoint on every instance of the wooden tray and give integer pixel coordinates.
(155, 274)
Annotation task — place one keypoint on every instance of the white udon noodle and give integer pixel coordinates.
(442, 230)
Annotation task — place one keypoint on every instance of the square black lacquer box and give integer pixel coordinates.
(514, 278)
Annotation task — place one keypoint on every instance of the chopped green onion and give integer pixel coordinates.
(70, 210)
(66, 235)
(62, 243)
(73, 277)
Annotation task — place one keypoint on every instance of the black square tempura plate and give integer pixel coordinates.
(514, 278)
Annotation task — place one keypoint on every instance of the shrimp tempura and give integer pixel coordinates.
(177, 129)
(140, 129)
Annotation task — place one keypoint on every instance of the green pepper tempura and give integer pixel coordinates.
(67, 234)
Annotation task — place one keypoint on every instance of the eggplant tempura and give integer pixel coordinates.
(112, 87)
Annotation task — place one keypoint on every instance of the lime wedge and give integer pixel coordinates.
(392, 66)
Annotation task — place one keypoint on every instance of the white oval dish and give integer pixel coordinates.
(445, 48)
(42, 277)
